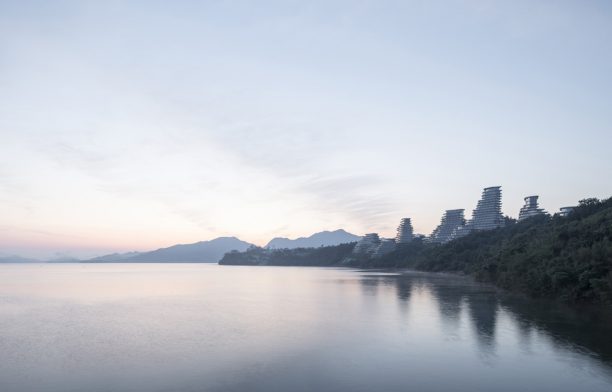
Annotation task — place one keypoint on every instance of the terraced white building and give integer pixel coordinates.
(487, 215)
(405, 233)
(450, 222)
(367, 245)
(530, 208)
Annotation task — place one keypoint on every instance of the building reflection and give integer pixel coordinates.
(369, 285)
(450, 299)
(453, 295)
(403, 288)
(461, 302)
(483, 308)
(581, 328)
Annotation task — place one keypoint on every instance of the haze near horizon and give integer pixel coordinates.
(133, 126)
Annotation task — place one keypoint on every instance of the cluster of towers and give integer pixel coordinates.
(373, 246)
(486, 216)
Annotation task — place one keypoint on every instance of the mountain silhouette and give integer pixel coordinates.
(17, 259)
(201, 252)
(324, 238)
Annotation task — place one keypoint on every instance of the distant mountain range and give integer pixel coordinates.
(324, 238)
(16, 259)
(212, 251)
(114, 257)
(201, 252)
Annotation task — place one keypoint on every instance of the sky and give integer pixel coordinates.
(134, 125)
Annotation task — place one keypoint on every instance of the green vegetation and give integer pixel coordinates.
(324, 256)
(568, 258)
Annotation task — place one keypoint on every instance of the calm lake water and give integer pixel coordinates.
(195, 327)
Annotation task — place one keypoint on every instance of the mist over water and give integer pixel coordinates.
(194, 327)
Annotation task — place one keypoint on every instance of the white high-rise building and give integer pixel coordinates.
(450, 222)
(487, 215)
(404, 232)
(530, 208)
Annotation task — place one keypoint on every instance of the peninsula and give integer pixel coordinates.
(566, 256)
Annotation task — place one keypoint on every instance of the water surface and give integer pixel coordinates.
(195, 327)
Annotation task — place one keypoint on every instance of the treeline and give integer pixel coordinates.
(568, 258)
(324, 256)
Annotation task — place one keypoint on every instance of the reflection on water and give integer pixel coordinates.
(183, 327)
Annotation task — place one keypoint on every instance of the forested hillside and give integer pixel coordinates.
(323, 256)
(563, 257)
